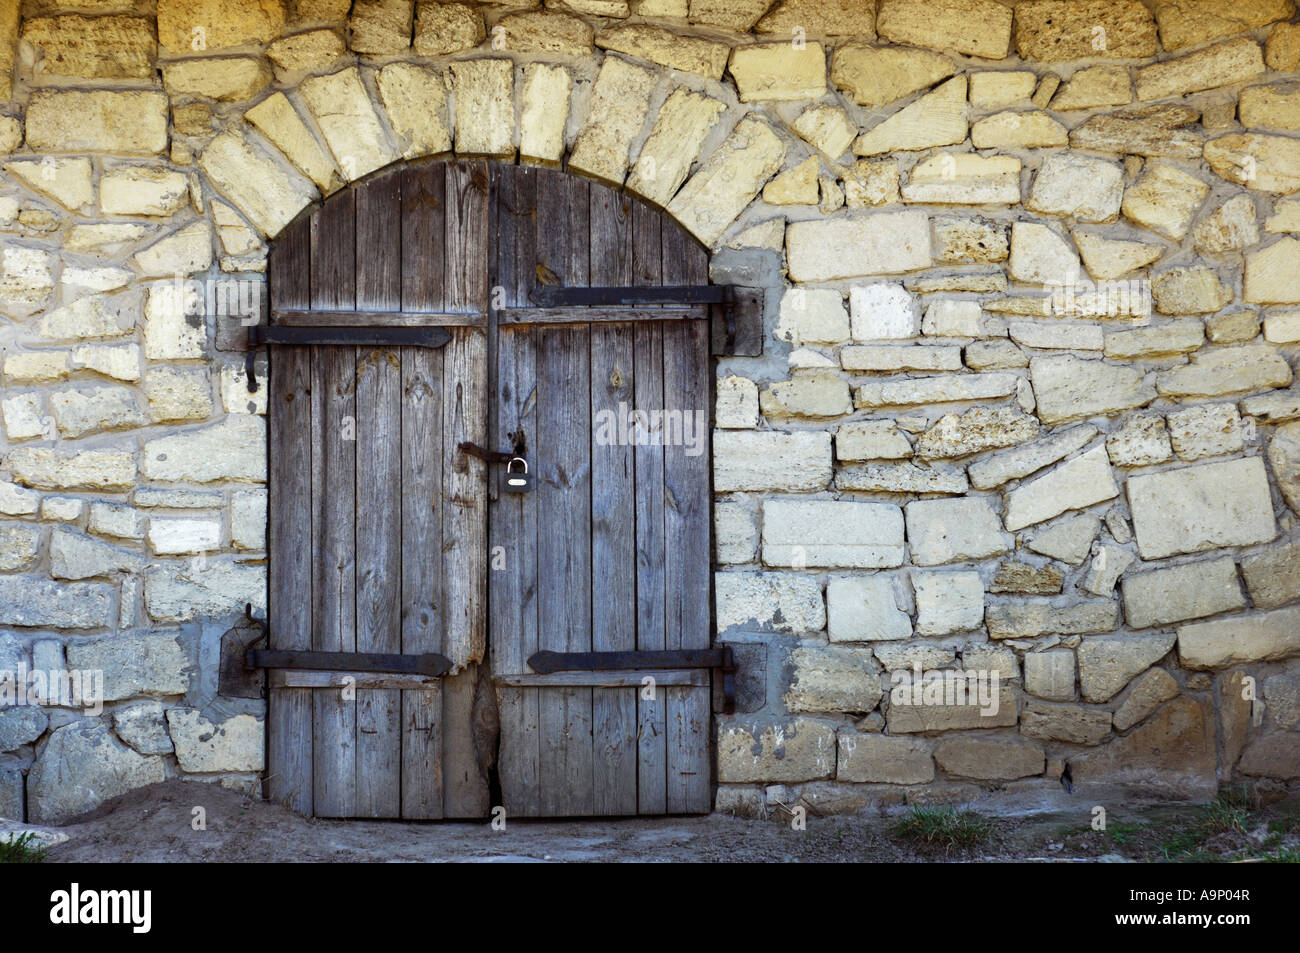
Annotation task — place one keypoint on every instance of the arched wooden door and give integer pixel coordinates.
(406, 319)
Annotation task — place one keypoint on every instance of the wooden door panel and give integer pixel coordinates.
(379, 525)
(383, 539)
(594, 561)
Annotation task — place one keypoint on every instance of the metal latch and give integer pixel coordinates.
(359, 336)
(722, 659)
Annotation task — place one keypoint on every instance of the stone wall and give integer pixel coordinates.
(1026, 407)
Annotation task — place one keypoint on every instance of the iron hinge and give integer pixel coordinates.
(362, 336)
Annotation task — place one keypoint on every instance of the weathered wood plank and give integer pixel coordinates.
(604, 315)
(378, 319)
(423, 454)
(652, 752)
(407, 684)
(289, 741)
(615, 680)
(513, 523)
(613, 511)
(333, 285)
(564, 566)
(687, 580)
(464, 550)
(379, 495)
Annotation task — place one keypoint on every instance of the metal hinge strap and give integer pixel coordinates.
(361, 336)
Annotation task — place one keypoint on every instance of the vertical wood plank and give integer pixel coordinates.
(513, 523)
(379, 496)
(464, 518)
(563, 494)
(687, 495)
(652, 726)
(289, 741)
(333, 285)
(423, 454)
(613, 510)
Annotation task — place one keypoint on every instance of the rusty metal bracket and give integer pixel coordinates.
(721, 659)
(236, 678)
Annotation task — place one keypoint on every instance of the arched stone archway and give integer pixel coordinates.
(405, 314)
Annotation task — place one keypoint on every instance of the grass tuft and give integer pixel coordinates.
(24, 849)
(944, 827)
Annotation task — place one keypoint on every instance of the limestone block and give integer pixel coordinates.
(947, 601)
(1095, 86)
(866, 608)
(1068, 388)
(1050, 674)
(832, 533)
(830, 678)
(485, 110)
(768, 460)
(1083, 187)
(226, 79)
(132, 122)
(142, 190)
(1052, 30)
(313, 50)
(945, 531)
(81, 767)
(1165, 200)
(1154, 131)
(34, 602)
(989, 759)
(690, 54)
(416, 102)
(871, 440)
(883, 312)
(258, 187)
(1223, 371)
(796, 749)
(883, 243)
(1202, 507)
(188, 26)
(1266, 163)
(875, 76)
(962, 179)
(728, 181)
(1017, 129)
(736, 406)
(1179, 593)
(1193, 22)
(936, 119)
(1205, 431)
(202, 746)
(882, 759)
(1221, 65)
(544, 110)
(973, 27)
(683, 122)
(773, 602)
(1260, 637)
(381, 26)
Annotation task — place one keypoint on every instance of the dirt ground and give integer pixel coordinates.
(154, 824)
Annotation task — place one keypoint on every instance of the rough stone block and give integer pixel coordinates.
(1201, 507)
(832, 533)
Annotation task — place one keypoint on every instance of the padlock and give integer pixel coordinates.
(518, 481)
